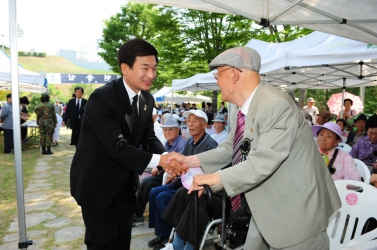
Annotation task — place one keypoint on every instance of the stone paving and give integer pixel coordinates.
(53, 219)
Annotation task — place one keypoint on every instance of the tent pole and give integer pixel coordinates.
(172, 101)
(23, 242)
(342, 104)
(362, 96)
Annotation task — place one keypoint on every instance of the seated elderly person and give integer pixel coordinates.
(365, 149)
(174, 143)
(340, 164)
(360, 132)
(160, 197)
(219, 124)
(343, 125)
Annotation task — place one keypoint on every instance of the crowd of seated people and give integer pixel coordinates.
(171, 206)
(365, 148)
(160, 197)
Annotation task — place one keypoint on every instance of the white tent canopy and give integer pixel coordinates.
(165, 95)
(353, 19)
(343, 58)
(28, 81)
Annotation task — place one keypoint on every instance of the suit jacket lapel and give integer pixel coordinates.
(125, 107)
(249, 125)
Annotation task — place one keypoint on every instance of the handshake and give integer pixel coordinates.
(174, 163)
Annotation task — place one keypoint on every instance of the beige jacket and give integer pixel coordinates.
(287, 185)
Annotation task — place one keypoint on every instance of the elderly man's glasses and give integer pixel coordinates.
(169, 129)
(216, 75)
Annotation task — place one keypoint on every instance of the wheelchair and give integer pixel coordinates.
(227, 232)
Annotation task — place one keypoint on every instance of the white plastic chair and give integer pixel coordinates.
(344, 139)
(346, 224)
(345, 147)
(363, 170)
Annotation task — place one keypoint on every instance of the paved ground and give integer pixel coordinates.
(53, 218)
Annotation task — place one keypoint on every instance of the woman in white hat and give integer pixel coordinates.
(340, 164)
(219, 124)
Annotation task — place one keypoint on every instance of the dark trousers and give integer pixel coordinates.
(8, 140)
(76, 132)
(111, 229)
(159, 199)
(142, 195)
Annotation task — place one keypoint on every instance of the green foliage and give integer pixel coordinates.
(41, 54)
(321, 96)
(21, 53)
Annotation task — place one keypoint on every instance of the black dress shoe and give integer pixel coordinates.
(156, 241)
(159, 246)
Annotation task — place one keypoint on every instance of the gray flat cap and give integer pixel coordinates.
(239, 57)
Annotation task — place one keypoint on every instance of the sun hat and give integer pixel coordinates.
(219, 118)
(170, 122)
(182, 119)
(330, 126)
(238, 57)
(311, 99)
(176, 116)
(197, 113)
(326, 114)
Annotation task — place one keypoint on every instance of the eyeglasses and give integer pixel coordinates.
(216, 75)
(169, 129)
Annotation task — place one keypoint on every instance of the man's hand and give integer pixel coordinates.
(155, 171)
(173, 167)
(204, 179)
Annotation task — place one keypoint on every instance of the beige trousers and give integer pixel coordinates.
(256, 241)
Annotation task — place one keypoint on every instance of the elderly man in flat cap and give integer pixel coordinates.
(288, 188)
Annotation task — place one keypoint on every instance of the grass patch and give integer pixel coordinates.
(8, 193)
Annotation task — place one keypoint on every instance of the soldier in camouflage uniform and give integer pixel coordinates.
(46, 119)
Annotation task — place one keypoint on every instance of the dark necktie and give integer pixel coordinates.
(237, 156)
(78, 108)
(135, 113)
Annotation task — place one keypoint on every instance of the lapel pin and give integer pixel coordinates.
(145, 107)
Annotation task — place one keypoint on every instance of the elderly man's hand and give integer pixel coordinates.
(172, 167)
(204, 179)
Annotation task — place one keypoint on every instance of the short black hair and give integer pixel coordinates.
(371, 122)
(45, 98)
(342, 121)
(223, 103)
(79, 88)
(348, 100)
(24, 100)
(135, 47)
(9, 96)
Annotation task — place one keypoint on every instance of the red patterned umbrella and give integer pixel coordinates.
(335, 103)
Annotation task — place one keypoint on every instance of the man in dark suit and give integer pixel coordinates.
(75, 113)
(117, 143)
